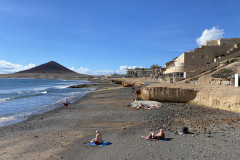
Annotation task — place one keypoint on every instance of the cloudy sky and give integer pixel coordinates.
(108, 36)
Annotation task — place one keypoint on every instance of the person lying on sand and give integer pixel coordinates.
(154, 106)
(140, 107)
(159, 135)
(98, 139)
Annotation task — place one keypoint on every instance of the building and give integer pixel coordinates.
(222, 41)
(140, 72)
(199, 58)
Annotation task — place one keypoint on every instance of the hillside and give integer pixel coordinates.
(50, 67)
(50, 70)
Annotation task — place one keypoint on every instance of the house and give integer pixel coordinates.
(138, 72)
(222, 41)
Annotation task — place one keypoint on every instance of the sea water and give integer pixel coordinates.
(20, 98)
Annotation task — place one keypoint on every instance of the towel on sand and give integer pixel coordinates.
(102, 144)
(164, 139)
(146, 103)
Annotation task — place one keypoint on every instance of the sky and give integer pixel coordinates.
(108, 36)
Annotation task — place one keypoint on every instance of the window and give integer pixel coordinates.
(193, 57)
(207, 56)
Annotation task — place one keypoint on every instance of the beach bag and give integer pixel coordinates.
(185, 130)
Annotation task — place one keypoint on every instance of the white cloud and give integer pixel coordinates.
(211, 34)
(81, 70)
(121, 70)
(8, 67)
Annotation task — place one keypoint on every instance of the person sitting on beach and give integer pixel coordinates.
(133, 100)
(98, 139)
(137, 94)
(66, 103)
(153, 135)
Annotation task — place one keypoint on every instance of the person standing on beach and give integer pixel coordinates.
(66, 103)
(133, 88)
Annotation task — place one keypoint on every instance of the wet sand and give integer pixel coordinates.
(63, 133)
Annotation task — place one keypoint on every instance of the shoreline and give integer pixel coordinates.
(12, 119)
(63, 133)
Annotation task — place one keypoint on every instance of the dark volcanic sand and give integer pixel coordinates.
(63, 133)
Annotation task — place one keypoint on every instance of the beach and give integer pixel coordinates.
(64, 133)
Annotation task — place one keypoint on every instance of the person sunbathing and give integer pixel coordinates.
(140, 107)
(159, 135)
(155, 106)
(98, 139)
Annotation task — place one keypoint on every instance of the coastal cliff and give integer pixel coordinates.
(165, 94)
(220, 97)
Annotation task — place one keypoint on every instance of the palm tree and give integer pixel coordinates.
(155, 68)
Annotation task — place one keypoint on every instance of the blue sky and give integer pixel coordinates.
(107, 36)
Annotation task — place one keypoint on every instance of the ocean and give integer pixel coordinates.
(20, 98)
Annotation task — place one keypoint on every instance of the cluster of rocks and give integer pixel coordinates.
(127, 83)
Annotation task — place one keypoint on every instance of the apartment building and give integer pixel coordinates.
(222, 41)
(202, 57)
(140, 72)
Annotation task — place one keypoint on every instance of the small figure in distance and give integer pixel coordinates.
(98, 139)
(152, 135)
(133, 88)
(66, 103)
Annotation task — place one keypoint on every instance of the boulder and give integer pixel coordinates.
(127, 84)
(138, 84)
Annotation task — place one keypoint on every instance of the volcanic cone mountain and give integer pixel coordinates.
(50, 67)
(50, 70)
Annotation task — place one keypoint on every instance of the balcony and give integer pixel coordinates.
(175, 69)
